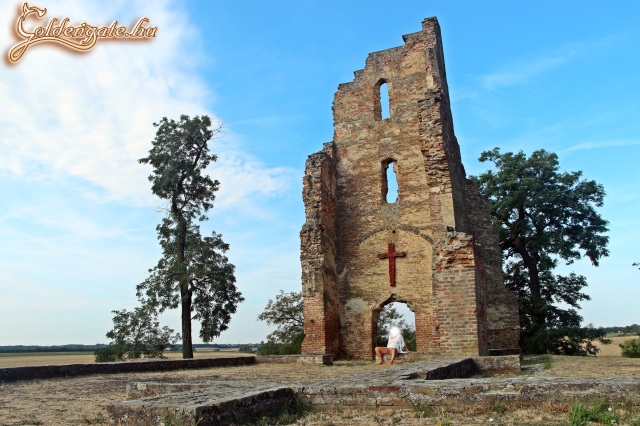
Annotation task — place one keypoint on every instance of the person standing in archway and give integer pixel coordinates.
(395, 346)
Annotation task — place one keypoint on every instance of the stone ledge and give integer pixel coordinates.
(498, 364)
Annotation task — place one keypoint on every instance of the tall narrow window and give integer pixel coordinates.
(384, 100)
(390, 183)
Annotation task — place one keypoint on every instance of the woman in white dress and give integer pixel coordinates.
(395, 346)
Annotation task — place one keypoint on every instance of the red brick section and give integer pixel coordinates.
(459, 292)
(444, 277)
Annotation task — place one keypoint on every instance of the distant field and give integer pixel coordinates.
(614, 348)
(51, 358)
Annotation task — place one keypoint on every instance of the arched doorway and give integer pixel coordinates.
(393, 313)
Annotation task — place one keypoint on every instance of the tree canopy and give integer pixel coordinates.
(544, 216)
(193, 273)
(136, 333)
(286, 312)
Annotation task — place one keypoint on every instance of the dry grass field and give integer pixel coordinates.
(81, 400)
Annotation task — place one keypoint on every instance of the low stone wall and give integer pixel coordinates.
(460, 394)
(498, 364)
(12, 374)
(483, 364)
(196, 407)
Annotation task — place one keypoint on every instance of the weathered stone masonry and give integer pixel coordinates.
(451, 276)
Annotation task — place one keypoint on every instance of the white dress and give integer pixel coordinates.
(397, 342)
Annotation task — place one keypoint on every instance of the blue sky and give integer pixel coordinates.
(77, 217)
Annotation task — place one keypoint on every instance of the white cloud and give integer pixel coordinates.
(89, 116)
(243, 178)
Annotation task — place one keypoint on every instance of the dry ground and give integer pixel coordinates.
(81, 400)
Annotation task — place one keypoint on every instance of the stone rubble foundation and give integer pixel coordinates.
(434, 383)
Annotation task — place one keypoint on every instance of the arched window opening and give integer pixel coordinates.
(396, 314)
(390, 182)
(381, 102)
(384, 101)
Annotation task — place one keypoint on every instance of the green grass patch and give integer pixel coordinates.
(601, 412)
(547, 361)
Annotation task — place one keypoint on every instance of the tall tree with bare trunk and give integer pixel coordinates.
(193, 273)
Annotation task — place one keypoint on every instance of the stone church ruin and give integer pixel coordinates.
(433, 248)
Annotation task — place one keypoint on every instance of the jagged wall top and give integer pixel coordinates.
(431, 38)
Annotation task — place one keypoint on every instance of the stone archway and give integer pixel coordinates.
(403, 308)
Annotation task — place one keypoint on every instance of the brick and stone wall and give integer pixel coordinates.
(502, 307)
(12, 374)
(443, 276)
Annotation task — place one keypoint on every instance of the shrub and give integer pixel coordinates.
(273, 348)
(631, 348)
(111, 353)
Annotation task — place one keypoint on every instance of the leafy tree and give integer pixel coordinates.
(136, 333)
(543, 216)
(287, 313)
(193, 273)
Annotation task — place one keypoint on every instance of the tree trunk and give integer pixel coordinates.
(534, 283)
(187, 348)
(185, 294)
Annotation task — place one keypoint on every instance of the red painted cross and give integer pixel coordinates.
(391, 254)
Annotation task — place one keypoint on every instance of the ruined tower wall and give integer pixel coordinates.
(443, 163)
(366, 221)
(441, 275)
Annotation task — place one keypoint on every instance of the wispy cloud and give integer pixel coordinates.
(244, 178)
(521, 73)
(600, 144)
(530, 66)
